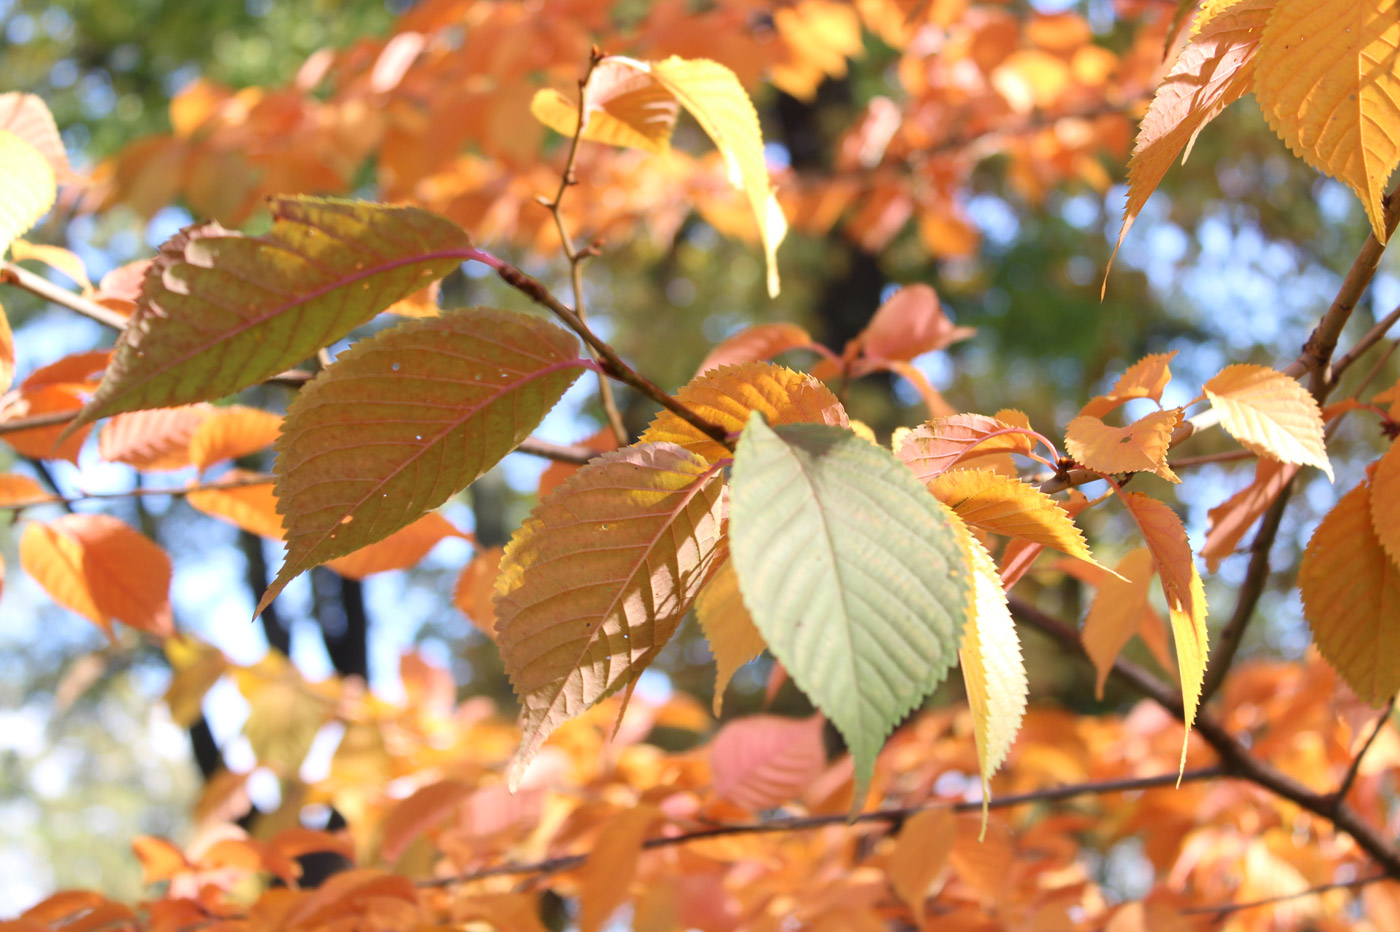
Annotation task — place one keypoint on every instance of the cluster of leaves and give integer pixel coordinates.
(754, 499)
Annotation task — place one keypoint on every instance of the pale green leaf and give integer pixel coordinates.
(29, 187)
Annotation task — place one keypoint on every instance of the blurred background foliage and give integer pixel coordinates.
(1232, 261)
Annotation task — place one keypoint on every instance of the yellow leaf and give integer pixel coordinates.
(1139, 447)
(920, 854)
(102, 569)
(993, 669)
(56, 257)
(251, 507)
(1009, 506)
(1270, 414)
(606, 876)
(624, 105)
(7, 352)
(1351, 597)
(1328, 85)
(1215, 69)
(284, 715)
(28, 182)
(1116, 613)
(1186, 595)
(197, 666)
(726, 397)
(717, 100)
(599, 577)
(1146, 378)
(725, 620)
(231, 432)
(1385, 502)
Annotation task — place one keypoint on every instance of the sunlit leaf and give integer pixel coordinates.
(850, 569)
(220, 311)
(910, 324)
(599, 577)
(284, 714)
(762, 761)
(1009, 506)
(406, 419)
(1146, 378)
(1116, 613)
(476, 588)
(154, 439)
(730, 631)
(231, 432)
(420, 811)
(756, 344)
(400, 550)
(17, 491)
(102, 569)
(1140, 447)
(1327, 83)
(250, 507)
(1351, 597)
(624, 105)
(1385, 502)
(958, 440)
(1270, 414)
(727, 396)
(1236, 515)
(195, 667)
(28, 182)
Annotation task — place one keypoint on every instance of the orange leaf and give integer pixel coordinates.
(39, 442)
(728, 627)
(398, 551)
(910, 324)
(251, 507)
(755, 344)
(763, 761)
(55, 257)
(1009, 506)
(726, 396)
(28, 117)
(606, 876)
(1214, 70)
(1139, 447)
(1146, 378)
(599, 577)
(102, 569)
(920, 854)
(7, 352)
(1186, 597)
(1385, 502)
(160, 860)
(476, 587)
(1351, 597)
(1116, 613)
(411, 817)
(944, 442)
(422, 303)
(509, 912)
(1232, 518)
(1270, 414)
(1390, 396)
(231, 432)
(154, 439)
(17, 491)
(78, 371)
(558, 472)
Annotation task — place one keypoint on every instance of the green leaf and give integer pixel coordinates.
(853, 573)
(220, 311)
(599, 577)
(406, 419)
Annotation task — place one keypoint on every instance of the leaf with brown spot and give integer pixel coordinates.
(1140, 447)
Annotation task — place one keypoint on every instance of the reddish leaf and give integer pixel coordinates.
(958, 440)
(155, 439)
(756, 344)
(102, 569)
(1139, 447)
(7, 352)
(406, 419)
(28, 117)
(400, 550)
(559, 472)
(763, 761)
(17, 491)
(411, 817)
(1232, 518)
(910, 324)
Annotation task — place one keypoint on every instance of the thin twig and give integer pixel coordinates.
(567, 179)
(1371, 338)
(11, 274)
(1224, 909)
(807, 823)
(1349, 778)
(1227, 456)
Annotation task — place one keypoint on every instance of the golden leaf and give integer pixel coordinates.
(1270, 414)
(725, 620)
(1139, 447)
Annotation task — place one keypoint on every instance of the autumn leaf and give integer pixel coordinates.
(599, 577)
(476, 587)
(1270, 414)
(1215, 69)
(1351, 597)
(910, 324)
(623, 105)
(155, 439)
(558, 472)
(195, 668)
(728, 627)
(29, 118)
(400, 550)
(284, 713)
(1328, 86)
(957, 440)
(55, 257)
(1385, 502)
(421, 810)
(1146, 378)
(762, 761)
(994, 672)
(1232, 518)
(220, 311)
(231, 432)
(7, 352)
(18, 491)
(1139, 447)
(1116, 613)
(28, 182)
(755, 344)
(838, 601)
(102, 569)
(607, 873)
(1009, 506)
(920, 855)
(407, 418)
(1186, 597)
(727, 396)
(252, 507)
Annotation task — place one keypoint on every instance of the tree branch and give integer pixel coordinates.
(1372, 337)
(1224, 909)
(11, 274)
(807, 823)
(1349, 778)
